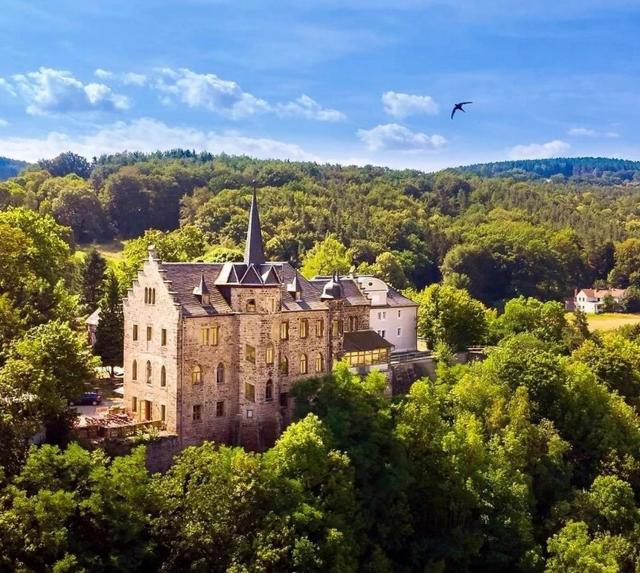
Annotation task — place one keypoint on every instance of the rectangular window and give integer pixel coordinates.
(219, 409)
(163, 412)
(250, 353)
(197, 412)
(399, 331)
(284, 330)
(399, 313)
(135, 332)
(353, 323)
(249, 392)
(269, 354)
(134, 404)
(383, 333)
(209, 335)
(163, 337)
(304, 328)
(320, 328)
(336, 327)
(249, 413)
(149, 333)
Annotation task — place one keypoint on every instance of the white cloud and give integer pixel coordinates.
(397, 137)
(309, 108)
(553, 148)
(227, 98)
(132, 78)
(127, 78)
(148, 135)
(401, 105)
(6, 86)
(588, 132)
(209, 91)
(102, 74)
(58, 91)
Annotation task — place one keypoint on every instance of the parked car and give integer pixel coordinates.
(87, 399)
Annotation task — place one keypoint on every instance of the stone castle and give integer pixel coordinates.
(213, 349)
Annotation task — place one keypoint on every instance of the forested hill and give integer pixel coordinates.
(498, 236)
(10, 167)
(595, 169)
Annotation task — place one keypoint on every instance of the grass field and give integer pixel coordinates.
(112, 251)
(611, 321)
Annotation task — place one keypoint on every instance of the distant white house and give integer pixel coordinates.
(591, 300)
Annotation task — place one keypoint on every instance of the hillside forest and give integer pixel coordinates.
(528, 461)
(500, 230)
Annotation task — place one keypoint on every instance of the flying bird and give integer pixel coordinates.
(458, 106)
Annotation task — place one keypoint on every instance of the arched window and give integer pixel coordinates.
(149, 372)
(303, 364)
(134, 370)
(196, 374)
(251, 305)
(269, 354)
(284, 365)
(163, 376)
(220, 374)
(268, 390)
(319, 362)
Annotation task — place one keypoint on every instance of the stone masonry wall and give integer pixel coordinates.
(162, 315)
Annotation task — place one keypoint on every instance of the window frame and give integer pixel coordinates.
(303, 364)
(250, 392)
(196, 374)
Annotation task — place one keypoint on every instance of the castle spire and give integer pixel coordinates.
(254, 248)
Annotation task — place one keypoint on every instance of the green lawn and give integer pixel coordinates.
(611, 321)
(112, 251)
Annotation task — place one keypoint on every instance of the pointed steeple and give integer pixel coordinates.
(254, 248)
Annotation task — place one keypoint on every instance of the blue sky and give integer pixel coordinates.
(349, 81)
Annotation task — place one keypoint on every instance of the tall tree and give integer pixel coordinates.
(66, 163)
(110, 330)
(449, 314)
(325, 257)
(93, 276)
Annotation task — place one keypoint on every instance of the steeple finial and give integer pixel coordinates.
(254, 248)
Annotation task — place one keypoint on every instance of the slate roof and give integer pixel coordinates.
(184, 277)
(394, 298)
(363, 340)
(350, 291)
(354, 296)
(254, 248)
